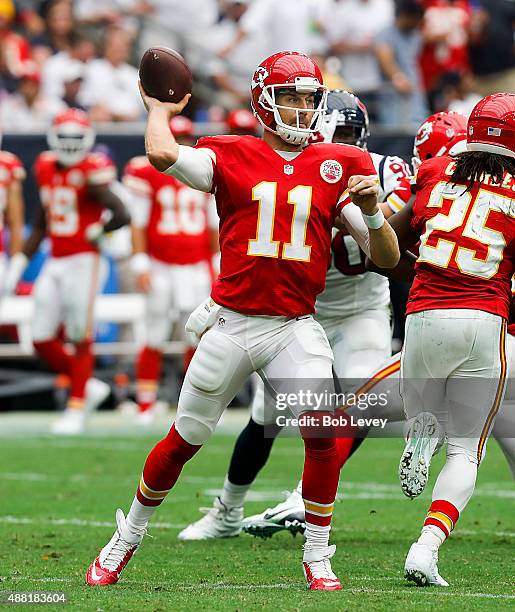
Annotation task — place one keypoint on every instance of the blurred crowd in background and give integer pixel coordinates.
(404, 58)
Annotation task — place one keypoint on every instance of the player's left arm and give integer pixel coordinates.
(407, 237)
(106, 198)
(370, 229)
(15, 216)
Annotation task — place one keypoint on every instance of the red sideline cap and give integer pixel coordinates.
(241, 119)
(181, 126)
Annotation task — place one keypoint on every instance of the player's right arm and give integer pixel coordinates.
(193, 167)
(36, 235)
(140, 203)
(20, 260)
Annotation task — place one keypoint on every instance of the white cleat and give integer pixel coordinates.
(421, 566)
(127, 408)
(417, 455)
(145, 418)
(288, 516)
(317, 570)
(96, 392)
(115, 555)
(219, 522)
(71, 423)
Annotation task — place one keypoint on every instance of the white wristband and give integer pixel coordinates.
(140, 263)
(375, 221)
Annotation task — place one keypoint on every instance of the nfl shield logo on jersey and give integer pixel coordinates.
(288, 169)
(331, 171)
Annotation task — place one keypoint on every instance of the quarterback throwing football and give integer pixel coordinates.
(277, 200)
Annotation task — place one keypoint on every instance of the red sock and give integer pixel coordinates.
(54, 354)
(187, 357)
(81, 371)
(344, 446)
(148, 370)
(320, 478)
(163, 466)
(442, 514)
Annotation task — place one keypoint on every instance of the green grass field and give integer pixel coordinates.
(58, 499)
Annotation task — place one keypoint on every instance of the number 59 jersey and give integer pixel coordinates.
(64, 192)
(466, 254)
(276, 215)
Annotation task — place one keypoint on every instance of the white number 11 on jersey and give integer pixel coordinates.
(264, 245)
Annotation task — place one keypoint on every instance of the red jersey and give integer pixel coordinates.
(511, 326)
(466, 253)
(177, 222)
(16, 53)
(69, 208)
(11, 169)
(448, 22)
(276, 217)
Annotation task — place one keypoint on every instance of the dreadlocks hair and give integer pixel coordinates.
(473, 166)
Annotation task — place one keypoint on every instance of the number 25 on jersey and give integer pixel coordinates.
(265, 193)
(475, 228)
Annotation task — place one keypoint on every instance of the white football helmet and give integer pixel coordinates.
(71, 136)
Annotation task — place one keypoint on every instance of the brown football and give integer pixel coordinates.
(164, 74)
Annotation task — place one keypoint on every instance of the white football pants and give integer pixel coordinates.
(360, 343)
(175, 292)
(65, 292)
(237, 345)
(454, 365)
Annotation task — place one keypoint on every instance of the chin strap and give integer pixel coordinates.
(291, 136)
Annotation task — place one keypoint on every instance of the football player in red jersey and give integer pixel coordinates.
(77, 208)
(354, 311)
(453, 363)
(12, 175)
(277, 200)
(175, 238)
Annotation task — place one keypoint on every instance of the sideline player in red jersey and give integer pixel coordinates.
(76, 206)
(12, 175)
(175, 238)
(453, 363)
(277, 202)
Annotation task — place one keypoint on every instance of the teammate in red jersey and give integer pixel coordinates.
(76, 201)
(453, 364)
(12, 175)
(277, 201)
(175, 238)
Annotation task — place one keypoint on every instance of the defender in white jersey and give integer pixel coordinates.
(354, 310)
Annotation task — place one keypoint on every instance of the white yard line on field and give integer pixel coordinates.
(58, 522)
(349, 489)
(222, 586)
